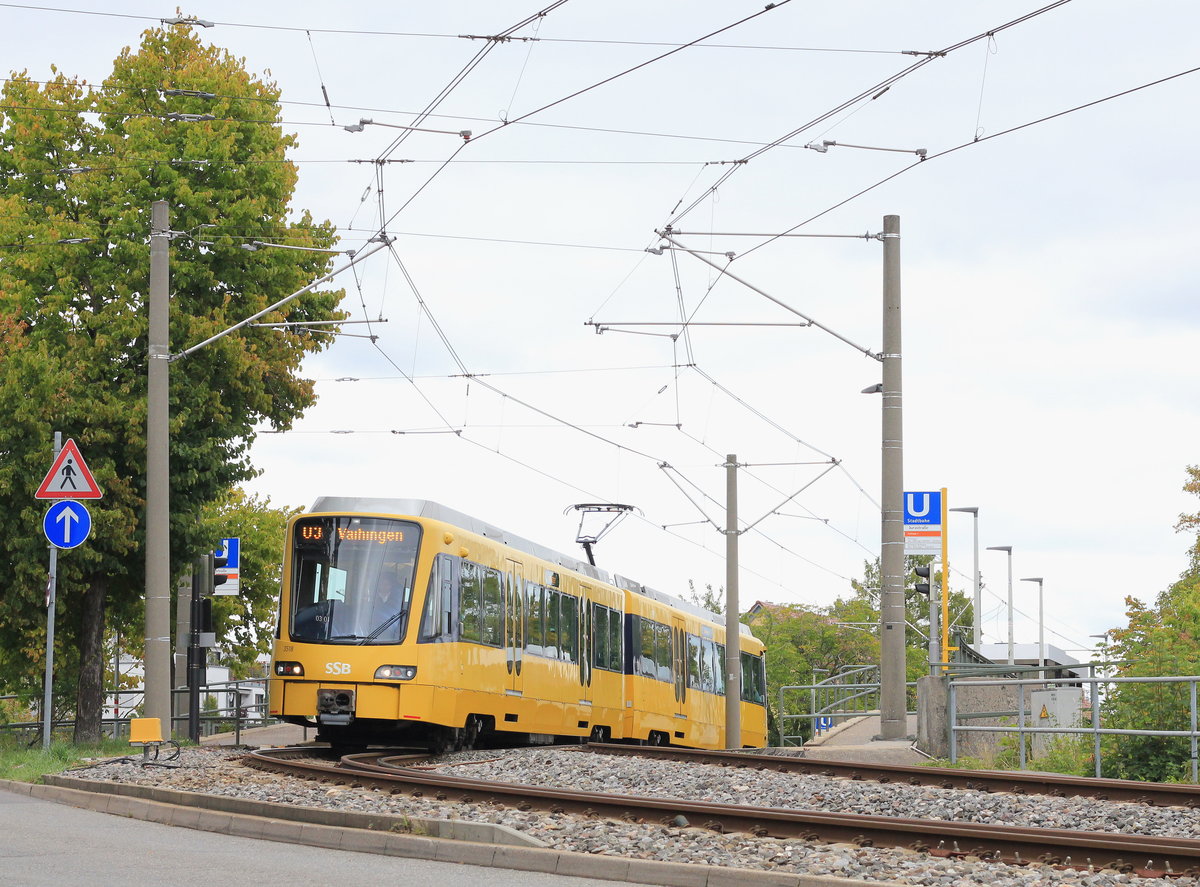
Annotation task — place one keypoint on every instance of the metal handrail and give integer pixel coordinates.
(1095, 730)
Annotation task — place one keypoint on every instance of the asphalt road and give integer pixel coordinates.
(44, 844)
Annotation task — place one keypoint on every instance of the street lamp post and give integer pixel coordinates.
(1103, 650)
(1041, 625)
(1008, 548)
(976, 628)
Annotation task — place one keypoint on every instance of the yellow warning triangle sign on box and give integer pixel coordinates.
(68, 477)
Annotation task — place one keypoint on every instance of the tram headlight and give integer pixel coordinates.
(395, 672)
(289, 669)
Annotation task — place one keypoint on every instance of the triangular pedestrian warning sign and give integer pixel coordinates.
(68, 477)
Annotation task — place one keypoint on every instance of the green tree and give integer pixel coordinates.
(806, 644)
(916, 609)
(80, 166)
(710, 599)
(1158, 641)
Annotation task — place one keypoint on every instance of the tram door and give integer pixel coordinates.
(587, 643)
(679, 664)
(514, 624)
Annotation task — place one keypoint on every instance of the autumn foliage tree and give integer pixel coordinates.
(80, 165)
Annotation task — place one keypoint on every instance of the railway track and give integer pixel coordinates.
(1154, 794)
(1141, 855)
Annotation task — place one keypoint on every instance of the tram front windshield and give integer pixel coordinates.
(352, 579)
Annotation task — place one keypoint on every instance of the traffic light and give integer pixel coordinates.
(205, 625)
(218, 561)
(922, 587)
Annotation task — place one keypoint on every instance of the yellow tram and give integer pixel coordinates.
(403, 621)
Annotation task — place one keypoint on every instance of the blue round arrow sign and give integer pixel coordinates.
(67, 524)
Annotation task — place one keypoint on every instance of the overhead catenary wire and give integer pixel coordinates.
(869, 94)
(638, 67)
(464, 72)
(970, 144)
(320, 77)
(374, 32)
(575, 426)
(472, 119)
(464, 435)
(496, 390)
(492, 42)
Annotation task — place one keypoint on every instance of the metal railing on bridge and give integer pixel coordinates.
(850, 693)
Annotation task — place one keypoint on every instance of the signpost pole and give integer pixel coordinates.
(51, 589)
(945, 579)
(194, 653)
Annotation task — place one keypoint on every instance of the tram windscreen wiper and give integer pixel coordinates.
(388, 623)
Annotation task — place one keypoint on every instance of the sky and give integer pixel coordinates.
(532, 357)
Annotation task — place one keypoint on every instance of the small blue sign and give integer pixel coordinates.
(824, 723)
(231, 550)
(923, 508)
(67, 524)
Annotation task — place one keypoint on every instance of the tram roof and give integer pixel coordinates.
(436, 511)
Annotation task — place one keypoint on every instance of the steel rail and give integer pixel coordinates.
(1142, 855)
(1154, 794)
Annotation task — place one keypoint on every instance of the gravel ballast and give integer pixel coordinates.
(222, 772)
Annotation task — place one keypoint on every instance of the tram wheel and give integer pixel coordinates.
(443, 741)
(340, 741)
(469, 735)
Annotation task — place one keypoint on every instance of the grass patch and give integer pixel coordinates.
(22, 764)
(1069, 755)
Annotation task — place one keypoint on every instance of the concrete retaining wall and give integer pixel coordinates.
(933, 728)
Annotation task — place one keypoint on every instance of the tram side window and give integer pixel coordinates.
(599, 636)
(662, 651)
(651, 642)
(646, 664)
(569, 624)
(615, 635)
(436, 621)
(607, 632)
(553, 635)
(695, 663)
(754, 681)
(470, 602)
(535, 629)
(718, 660)
(493, 608)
